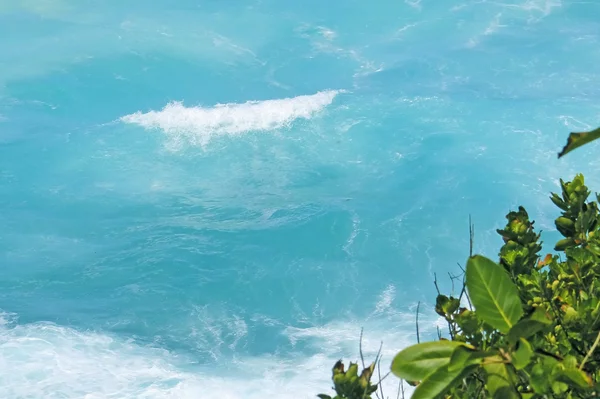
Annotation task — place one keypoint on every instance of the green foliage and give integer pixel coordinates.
(576, 140)
(417, 361)
(349, 385)
(493, 294)
(535, 323)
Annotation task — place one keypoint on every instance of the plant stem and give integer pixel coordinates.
(590, 352)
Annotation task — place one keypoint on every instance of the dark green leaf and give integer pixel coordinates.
(439, 382)
(418, 361)
(446, 306)
(559, 202)
(441, 302)
(577, 139)
(323, 396)
(529, 326)
(493, 294)
(464, 356)
(453, 305)
(468, 322)
(565, 243)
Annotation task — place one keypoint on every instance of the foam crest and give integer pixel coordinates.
(197, 125)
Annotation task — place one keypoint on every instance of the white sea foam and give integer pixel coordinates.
(197, 125)
(44, 360)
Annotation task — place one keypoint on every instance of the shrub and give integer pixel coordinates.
(532, 324)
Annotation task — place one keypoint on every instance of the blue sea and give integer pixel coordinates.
(210, 199)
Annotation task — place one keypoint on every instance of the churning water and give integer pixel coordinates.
(209, 199)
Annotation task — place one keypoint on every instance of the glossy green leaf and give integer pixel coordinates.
(534, 323)
(500, 382)
(522, 355)
(574, 376)
(577, 139)
(440, 381)
(418, 361)
(493, 294)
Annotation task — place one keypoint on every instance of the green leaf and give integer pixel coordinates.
(440, 381)
(499, 381)
(559, 387)
(467, 321)
(538, 378)
(521, 357)
(559, 202)
(577, 139)
(323, 396)
(525, 328)
(441, 302)
(565, 243)
(574, 376)
(567, 372)
(445, 306)
(418, 361)
(493, 294)
(463, 356)
(352, 370)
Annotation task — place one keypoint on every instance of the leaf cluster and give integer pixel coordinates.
(534, 323)
(348, 384)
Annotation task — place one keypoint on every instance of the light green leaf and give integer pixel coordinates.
(418, 361)
(440, 381)
(559, 387)
(499, 381)
(521, 357)
(577, 139)
(493, 294)
(574, 376)
(538, 378)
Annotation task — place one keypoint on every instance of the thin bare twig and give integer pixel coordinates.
(378, 357)
(379, 384)
(417, 323)
(436, 284)
(362, 358)
(471, 236)
(378, 361)
(380, 379)
(452, 278)
(466, 294)
(401, 390)
(464, 287)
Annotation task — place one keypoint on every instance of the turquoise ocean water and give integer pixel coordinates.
(209, 199)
